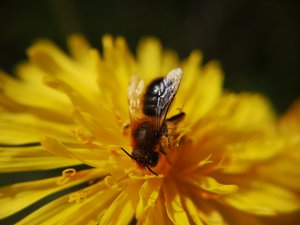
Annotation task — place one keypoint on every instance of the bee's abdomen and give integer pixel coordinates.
(152, 95)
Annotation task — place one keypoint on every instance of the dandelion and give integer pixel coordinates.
(230, 160)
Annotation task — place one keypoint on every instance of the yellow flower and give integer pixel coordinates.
(230, 160)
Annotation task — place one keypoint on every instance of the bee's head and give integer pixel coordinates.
(147, 158)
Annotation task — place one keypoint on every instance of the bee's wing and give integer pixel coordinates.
(135, 90)
(171, 84)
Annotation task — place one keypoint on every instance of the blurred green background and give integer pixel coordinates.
(256, 41)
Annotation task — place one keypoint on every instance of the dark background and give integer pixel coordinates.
(256, 41)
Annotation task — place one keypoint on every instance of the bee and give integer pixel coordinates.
(148, 109)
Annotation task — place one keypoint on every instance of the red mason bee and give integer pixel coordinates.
(148, 108)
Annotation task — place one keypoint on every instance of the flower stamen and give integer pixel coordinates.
(66, 176)
(78, 197)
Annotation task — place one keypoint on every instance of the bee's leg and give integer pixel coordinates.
(161, 149)
(172, 121)
(176, 118)
(164, 131)
(126, 129)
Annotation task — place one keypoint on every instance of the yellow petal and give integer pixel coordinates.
(263, 199)
(286, 169)
(26, 128)
(205, 92)
(122, 209)
(190, 79)
(104, 130)
(234, 216)
(156, 214)
(214, 218)
(50, 58)
(174, 206)
(93, 157)
(53, 62)
(30, 159)
(30, 92)
(42, 113)
(192, 210)
(65, 211)
(291, 119)
(169, 61)
(240, 113)
(115, 71)
(20, 195)
(79, 47)
(210, 184)
(192, 72)
(149, 54)
(245, 153)
(51, 213)
(90, 210)
(148, 194)
(102, 122)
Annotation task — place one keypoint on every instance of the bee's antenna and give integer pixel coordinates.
(151, 171)
(128, 154)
